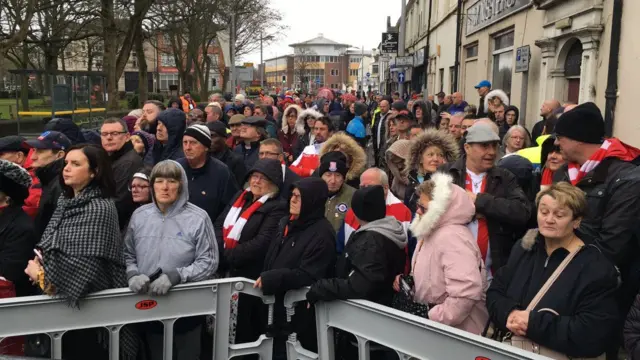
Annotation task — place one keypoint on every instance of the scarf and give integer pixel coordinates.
(547, 177)
(610, 148)
(236, 219)
(83, 253)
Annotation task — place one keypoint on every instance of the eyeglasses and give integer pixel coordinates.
(263, 154)
(138, 187)
(112, 133)
(258, 177)
(292, 115)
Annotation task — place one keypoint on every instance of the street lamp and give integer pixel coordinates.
(264, 38)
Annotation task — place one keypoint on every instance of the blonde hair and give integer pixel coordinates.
(426, 188)
(566, 195)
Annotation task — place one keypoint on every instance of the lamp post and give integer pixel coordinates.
(263, 38)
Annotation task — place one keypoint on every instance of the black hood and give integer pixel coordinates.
(67, 127)
(270, 168)
(175, 122)
(508, 108)
(314, 193)
(520, 167)
(426, 113)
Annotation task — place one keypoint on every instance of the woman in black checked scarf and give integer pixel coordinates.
(81, 248)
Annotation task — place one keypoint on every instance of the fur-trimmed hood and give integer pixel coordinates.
(301, 124)
(449, 205)
(285, 126)
(431, 137)
(529, 239)
(493, 93)
(354, 152)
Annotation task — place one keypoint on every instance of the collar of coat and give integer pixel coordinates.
(128, 146)
(460, 167)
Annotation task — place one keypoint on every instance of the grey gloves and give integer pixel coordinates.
(139, 284)
(161, 285)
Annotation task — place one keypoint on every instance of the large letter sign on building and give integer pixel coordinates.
(486, 12)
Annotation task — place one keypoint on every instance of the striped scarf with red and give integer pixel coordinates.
(610, 148)
(236, 219)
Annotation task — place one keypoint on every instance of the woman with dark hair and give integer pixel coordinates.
(81, 248)
(247, 110)
(174, 103)
(422, 113)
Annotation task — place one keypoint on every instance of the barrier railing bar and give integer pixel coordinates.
(56, 344)
(114, 342)
(263, 347)
(168, 338)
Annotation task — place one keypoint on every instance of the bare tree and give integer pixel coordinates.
(256, 18)
(15, 18)
(304, 61)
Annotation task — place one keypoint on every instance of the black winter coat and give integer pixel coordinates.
(366, 270)
(249, 156)
(18, 238)
(290, 178)
(211, 187)
(632, 331)
(503, 204)
(49, 177)
(247, 258)
(612, 222)
(583, 296)
(302, 256)
(378, 126)
(235, 163)
(124, 163)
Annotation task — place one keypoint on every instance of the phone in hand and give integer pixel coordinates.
(39, 255)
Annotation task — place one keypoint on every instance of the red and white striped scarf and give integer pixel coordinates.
(610, 148)
(235, 220)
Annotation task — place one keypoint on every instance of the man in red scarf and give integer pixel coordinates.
(604, 169)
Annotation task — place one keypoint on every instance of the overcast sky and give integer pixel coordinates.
(354, 22)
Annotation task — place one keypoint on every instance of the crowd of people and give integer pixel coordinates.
(443, 209)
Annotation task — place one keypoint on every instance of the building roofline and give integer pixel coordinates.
(278, 57)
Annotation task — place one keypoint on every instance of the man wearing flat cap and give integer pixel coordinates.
(603, 169)
(502, 208)
(15, 149)
(252, 131)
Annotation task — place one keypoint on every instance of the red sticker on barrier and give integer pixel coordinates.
(146, 304)
(482, 358)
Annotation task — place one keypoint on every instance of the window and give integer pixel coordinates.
(167, 60)
(472, 51)
(353, 72)
(452, 76)
(355, 59)
(374, 69)
(503, 61)
(334, 72)
(168, 79)
(441, 71)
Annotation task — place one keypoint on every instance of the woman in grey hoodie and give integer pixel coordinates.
(169, 242)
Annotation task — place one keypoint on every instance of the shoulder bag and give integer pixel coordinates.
(528, 345)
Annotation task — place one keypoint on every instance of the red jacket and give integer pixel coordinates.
(308, 161)
(32, 202)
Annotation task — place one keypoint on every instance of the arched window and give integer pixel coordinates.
(574, 60)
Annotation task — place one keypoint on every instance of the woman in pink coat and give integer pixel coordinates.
(447, 266)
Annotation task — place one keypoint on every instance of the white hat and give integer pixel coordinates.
(239, 97)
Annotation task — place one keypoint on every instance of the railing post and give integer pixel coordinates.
(114, 342)
(56, 344)
(168, 338)
(326, 349)
(223, 313)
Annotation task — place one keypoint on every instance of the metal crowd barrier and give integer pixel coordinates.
(410, 336)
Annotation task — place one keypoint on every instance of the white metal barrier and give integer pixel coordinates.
(409, 335)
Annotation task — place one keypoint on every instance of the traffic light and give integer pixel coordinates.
(215, 81)
(284, 79)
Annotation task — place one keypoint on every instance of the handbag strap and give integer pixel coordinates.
(552, 279)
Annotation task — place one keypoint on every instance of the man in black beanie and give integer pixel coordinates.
(333, 170)
(604, 169)
(373, 256)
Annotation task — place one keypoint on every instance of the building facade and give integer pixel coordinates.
(568, 43)
(278, 72)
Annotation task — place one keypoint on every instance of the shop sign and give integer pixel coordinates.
(389, 43)
(486, 12)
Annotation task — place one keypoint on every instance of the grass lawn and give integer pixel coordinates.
(8, 107)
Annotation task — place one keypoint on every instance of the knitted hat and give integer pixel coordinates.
(368, 203)
(14, 181)
(131, 122)
(583, 123)
(359, 108)
(333, 161)
(147, 139)
(200, 133)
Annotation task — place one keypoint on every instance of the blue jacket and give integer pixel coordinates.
(457, 108)
(211, 187)
(356, 128)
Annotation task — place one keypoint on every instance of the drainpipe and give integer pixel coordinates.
(611, 93)
(458, 44)
(426, 51)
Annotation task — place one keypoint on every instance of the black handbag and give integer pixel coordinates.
(403, 300)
